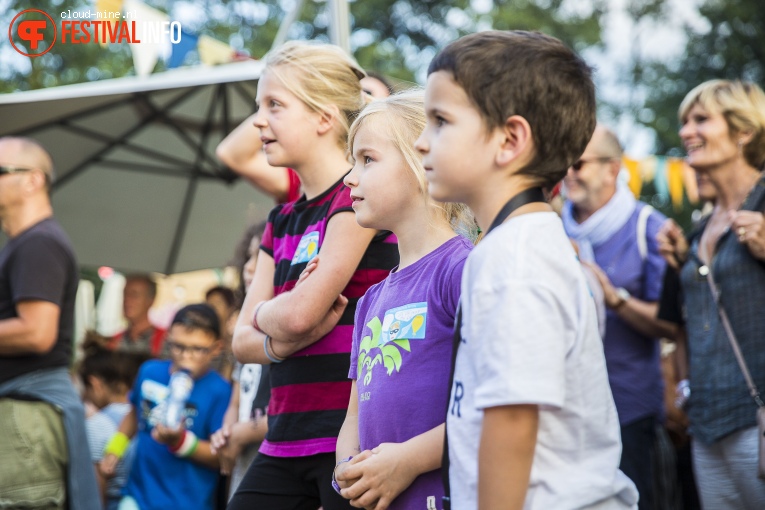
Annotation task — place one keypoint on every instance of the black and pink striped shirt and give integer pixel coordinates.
(310, 390)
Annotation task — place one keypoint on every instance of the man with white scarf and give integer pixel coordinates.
(616, 235)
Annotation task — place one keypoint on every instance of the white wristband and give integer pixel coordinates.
(188, 446)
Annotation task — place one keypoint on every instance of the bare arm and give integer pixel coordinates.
(34, 331)
(348, 439)
(640, 315)
(293, 316)
(505, 455)
(247, 343)
(128, 426)
(242, 152)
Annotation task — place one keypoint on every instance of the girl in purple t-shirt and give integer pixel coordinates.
(390, 446)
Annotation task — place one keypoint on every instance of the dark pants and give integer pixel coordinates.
(298, 483)
(638, 439)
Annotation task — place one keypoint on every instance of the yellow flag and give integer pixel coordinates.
(675, 181)
(636, 180)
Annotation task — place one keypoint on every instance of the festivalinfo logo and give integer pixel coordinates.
(33, 32)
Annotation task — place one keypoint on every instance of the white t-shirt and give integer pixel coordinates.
(530, 336)
(249, 380)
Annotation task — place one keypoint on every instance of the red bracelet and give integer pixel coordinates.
(174, 448)
(255, 317)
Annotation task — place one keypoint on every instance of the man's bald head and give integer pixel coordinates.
(26, 153)
(606, 142)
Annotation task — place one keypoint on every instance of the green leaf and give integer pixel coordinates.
(376, 326)
(404, 344)
(391, 353)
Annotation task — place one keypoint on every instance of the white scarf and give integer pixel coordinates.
(602, 225)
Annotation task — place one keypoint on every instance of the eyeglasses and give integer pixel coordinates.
(195, 351)
(581, 162)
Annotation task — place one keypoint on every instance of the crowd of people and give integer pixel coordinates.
(417, 326)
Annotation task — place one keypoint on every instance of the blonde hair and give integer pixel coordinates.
(742, 104)
(323, 77)
(402, 117)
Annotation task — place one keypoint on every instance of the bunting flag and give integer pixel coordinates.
(660, 177)
(145, 53)
(636, 180)
(672, 178)
(214, 52)
(675, 182)
(107, 6)
(180, 50)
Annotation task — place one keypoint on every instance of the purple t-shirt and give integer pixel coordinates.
(401, 356)
(632, 358)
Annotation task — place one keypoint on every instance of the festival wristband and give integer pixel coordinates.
(117, 445)
(271, 357)
(334, 480)
(255, 317)
(186, 446)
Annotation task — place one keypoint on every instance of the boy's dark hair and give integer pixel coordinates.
(198, 316)
(224, 292)
(112, 367)
(506, 73)
(151, 284)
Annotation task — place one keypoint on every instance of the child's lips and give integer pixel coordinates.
(355, 200)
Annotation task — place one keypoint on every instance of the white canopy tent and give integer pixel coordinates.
(138, 185)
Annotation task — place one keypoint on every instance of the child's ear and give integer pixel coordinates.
(327, 119)
(216, 347)
(516, 143)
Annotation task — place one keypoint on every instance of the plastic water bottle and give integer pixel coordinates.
(180, 388)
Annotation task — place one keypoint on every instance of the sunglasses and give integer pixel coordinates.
(6, 169)
(577, 165)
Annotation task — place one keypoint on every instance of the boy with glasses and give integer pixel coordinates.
(175, 468)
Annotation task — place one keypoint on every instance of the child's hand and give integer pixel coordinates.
(167, 436)
(108, 465)
(219, 439)
(382, 476)
(312, 265)
(228, 453)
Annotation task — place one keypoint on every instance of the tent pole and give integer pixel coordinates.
(339, 24)
(289, 18)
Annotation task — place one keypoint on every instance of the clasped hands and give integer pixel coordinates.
(374, 478)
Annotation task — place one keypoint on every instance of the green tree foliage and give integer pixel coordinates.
(731, 45)
(394, 37)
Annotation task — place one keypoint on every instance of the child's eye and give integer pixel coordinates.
(273, 104)
(440, 121)
(367, 160)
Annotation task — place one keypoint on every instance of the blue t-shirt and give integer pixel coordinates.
(160, 480)
(401, 356)
(634, 368)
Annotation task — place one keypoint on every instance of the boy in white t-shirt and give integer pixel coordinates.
(531, 421)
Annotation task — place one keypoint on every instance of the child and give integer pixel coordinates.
(402, 339)
(307, 96)
(174, 468)
(244, 425)
(531, 422)
(106, 379)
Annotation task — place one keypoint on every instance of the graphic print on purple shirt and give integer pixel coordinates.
(401, 356)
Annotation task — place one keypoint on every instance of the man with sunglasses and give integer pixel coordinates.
(616, 235)
(41, 417)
